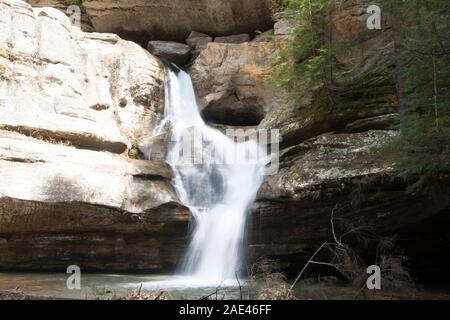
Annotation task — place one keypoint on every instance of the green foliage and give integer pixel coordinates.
(300, 65)
(424, 151)
(424, 144)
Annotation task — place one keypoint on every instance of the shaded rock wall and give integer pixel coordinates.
(145, 20)
(343, 173)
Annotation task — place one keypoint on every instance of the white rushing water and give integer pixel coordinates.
(217, 179)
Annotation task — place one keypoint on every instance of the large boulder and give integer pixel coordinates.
(175, 52)
(198, 41)
(73, 107)
(231, 82)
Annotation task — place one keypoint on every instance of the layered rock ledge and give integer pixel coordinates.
(145, 20)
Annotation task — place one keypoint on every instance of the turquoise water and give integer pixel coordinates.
(108, 286)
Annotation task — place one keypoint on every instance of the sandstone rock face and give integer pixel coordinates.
(231, 82)
(175, 52)
(65, 7)
(72, 107)
(94, 90)
(174, 20)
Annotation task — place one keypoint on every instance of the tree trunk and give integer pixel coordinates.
(400, 63)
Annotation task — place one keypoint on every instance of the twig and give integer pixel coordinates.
(304, 268)
(159, 295)
(240, 289)
(325, 264)
(359, 292)
(211, 294)
(332, 226)
(338, 245)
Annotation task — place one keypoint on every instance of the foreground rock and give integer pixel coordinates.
(231, 82)
(73, 109)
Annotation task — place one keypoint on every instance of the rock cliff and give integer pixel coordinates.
(73, 108)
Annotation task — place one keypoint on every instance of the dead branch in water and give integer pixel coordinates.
(289, 295)
(352, 268)
(239, 283)
(213, 293)
(341, 252)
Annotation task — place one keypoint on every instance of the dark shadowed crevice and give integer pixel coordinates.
(233, 115)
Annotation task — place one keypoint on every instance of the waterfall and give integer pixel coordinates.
(216, 177)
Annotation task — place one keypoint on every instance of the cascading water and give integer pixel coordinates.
(216, 177)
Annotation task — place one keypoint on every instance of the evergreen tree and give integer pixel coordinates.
(423, 82)
(301, 65)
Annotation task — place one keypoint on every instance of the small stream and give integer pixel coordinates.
(111, 286)
(108, 286)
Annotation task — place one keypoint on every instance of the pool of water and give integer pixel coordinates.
(109, 286)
